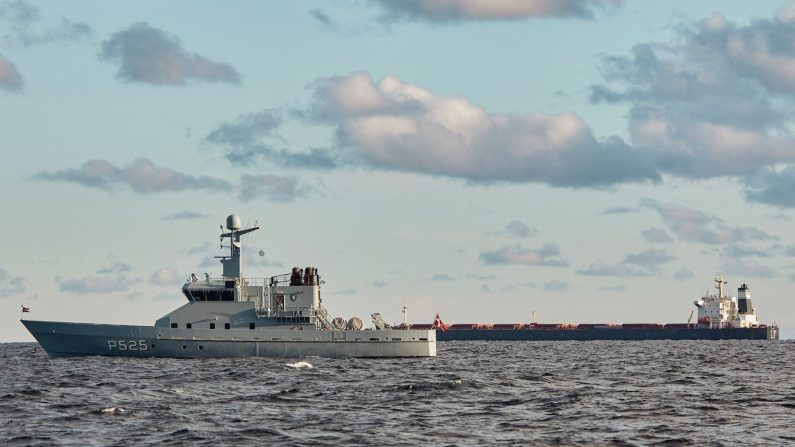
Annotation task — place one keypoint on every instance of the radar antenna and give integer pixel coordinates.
(233, 263)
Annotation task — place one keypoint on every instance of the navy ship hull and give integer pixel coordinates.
(61, 339)
(618, 333)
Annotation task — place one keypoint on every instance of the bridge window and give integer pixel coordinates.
(174, 325)
(189, 326)
(227, 325)
(212, 325)
(187, 295)
(228, 295)
(251, 326)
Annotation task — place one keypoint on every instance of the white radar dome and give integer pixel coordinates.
(233, 222)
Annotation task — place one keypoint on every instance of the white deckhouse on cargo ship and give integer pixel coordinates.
(235, 316)
(723, 311)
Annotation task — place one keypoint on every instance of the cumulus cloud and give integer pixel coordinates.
(152, 56)
(275, 188)
(11, 285)
(141, 176)
(645, 263)
(165, 276)
(698, 226)
(186, 215)
(399, 126)
(10, 79)
(24, 23)
(548, 256)
(464, 10)
(251, 137)
(656, 235)
(717, 102)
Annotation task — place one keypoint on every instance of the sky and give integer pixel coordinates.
(593, 161)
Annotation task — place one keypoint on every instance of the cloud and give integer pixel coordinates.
(741, 251)
(342, 28)
(519, 229)
(516, 228)
(151, 56)
(555, 286)
(10, 79)
(165, 276)
(114, 278)
(616, 288)
(379, 284)
(619, 210)
(92, 284)
(275, 188)
(186, 215)
(23, 18)
(11, 285)
(441, 277)
(252, 137)
(645, 263)
(656, 235)
(774, 187)
(394, 125)
(141, 176)
(116, 267)
(548, 256)
(715, 102)
(649, 259)
(698, 226)
(470, 10)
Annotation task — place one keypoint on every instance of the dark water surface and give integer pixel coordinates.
(473, 393)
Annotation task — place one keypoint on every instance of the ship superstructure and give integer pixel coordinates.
(237, 316)
(723, 311)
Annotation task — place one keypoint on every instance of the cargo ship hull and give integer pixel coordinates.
(609, 333)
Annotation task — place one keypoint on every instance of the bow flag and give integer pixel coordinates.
(439, 324)
(25, 309)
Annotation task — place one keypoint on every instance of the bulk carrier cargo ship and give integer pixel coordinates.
(720, 317)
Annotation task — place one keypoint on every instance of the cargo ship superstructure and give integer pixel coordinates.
(236, 316)
(720, 317)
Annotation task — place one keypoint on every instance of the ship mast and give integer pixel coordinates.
(720, 281)
(233, 264)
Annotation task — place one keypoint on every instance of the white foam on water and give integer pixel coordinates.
(300, 365)
(113, 410)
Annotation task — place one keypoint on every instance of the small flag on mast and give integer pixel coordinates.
(25, 309)
(439, 324)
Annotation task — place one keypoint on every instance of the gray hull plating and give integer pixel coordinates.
(73, 339)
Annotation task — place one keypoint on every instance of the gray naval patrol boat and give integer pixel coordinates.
(235, 316)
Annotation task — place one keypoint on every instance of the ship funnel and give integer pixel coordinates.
(744, 305)
(233, 222)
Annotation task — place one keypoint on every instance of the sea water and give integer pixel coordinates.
(474, 393)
